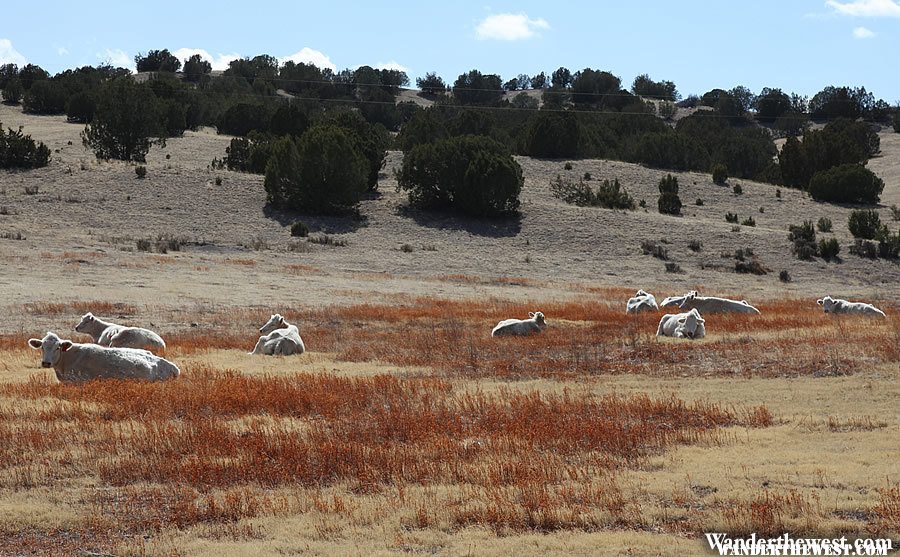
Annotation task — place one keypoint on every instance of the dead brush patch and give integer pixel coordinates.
(80, 307)
(584, 338)
(169, 455)
(886, 519)
(772, 513)
(521, 460)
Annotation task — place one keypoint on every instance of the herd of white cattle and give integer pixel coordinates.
(122, 352)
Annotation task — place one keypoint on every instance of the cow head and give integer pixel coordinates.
(274, 322)
(86, 320)
(538, 318)
(827, 303)
(51, 347)
(691, 322)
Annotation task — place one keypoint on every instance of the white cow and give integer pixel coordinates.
(682, 325)
(521, 327)
(280, 338)
(836, 305)
(676, 300)
(711, 304)
(642, 301)
(119, 336)
(75, 363)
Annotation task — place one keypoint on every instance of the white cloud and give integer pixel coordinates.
(62, 51)
(862, 33)
(9, 55)
(117, 57)
(866, 8)
(219, 62)
(310, 56)
(509, 27)
(392, 65)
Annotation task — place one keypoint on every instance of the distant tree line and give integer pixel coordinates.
(587, 113)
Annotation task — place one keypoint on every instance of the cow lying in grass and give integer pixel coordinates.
(280, 338)
(682, 325)
(642, 301)
(672, 301)
(75, 363)
(520, 327)
(836, 305)
(109, 334)
(711, 304)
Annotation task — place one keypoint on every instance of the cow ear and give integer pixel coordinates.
(530, 314)
(35, 342)
(820, 301)
(65, 345)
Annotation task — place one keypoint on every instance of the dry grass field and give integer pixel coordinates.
(406, 429)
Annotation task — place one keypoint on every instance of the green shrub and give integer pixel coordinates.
(555, 135)
(668, 184)
(864, 248)
(13, 91)
(140, 171)
(471, 174)
(784, 276)
(157, 61)
(299, 229)
(896, 122)
(669, 203)
(242, 118)
(731, 217)
(824, 224)
(372, 140)
(699, 202)
(608, 194)
(719, 174)
(865, 224)
(321, 172)
(803, 238)
(45, 97)
(737, 189)
(431, 85)
(18, 150)
(249, 154)
(748, 222)
(829, 248)
(125, 120)
(889, 245)
(81, 107)
(695, 245)
(848, 183)
(895, 212)
(195, 68)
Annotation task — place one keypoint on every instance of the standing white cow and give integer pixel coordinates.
(676, 300)
(836, 305)
(682, 325)
(109, 334)
(711, 304)
(280, 338)
(76, 363)
(642, 301)
(521, 327)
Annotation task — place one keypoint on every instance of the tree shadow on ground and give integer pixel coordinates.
(340, 223)
(502, 227)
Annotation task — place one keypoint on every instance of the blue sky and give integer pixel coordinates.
(796, 45)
